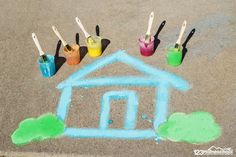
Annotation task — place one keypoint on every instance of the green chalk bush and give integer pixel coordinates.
(196, 128)
(44, 127)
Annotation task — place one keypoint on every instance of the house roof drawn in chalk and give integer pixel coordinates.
(152, 77)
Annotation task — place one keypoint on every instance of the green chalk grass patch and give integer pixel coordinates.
(196, 128)
(44, 127)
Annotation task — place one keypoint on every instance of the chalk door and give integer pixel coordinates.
(131, 108)
(127, 132)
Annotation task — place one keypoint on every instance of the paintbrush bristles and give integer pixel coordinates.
(68, 47)
(147, 38)
(44, 58)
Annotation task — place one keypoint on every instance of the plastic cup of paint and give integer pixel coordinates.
(47, 68)
(174, 55)
(73, 56)
(146, 49)
(94, 46)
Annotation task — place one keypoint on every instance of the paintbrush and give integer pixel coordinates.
(41, 53)
(148, 33)
(177, 44)
(86, 34)
(67, 46)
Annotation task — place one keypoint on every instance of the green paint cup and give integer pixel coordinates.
(174, 55)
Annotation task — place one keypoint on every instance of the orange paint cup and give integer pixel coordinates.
(73, 56)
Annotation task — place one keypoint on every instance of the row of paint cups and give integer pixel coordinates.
(71, 52)
(94, 45)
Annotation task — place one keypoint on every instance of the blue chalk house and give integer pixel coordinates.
(161, 80)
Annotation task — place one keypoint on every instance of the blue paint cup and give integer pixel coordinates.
(47, 68)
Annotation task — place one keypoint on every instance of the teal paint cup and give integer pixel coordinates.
(47, 68)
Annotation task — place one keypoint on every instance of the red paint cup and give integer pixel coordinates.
(146, 49)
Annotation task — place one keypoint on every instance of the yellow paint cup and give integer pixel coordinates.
(94, 44)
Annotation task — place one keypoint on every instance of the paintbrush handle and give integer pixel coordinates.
(151, 17)
(181, 32)
(36, 41)
(82, 27)
(59, 35)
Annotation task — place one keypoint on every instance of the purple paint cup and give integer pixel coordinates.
(146, 49)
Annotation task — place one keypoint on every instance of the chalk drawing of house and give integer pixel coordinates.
(161, 80)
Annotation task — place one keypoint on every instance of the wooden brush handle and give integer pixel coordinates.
(82, 27)
(37, 44)
(151, 17)
(181, 32)
(59, 35)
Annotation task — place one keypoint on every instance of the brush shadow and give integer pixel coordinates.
(105, 42)
(97, 30)
(185, 50)
(83, 51)
(156, 39)
(77, 38)
(59, 61)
